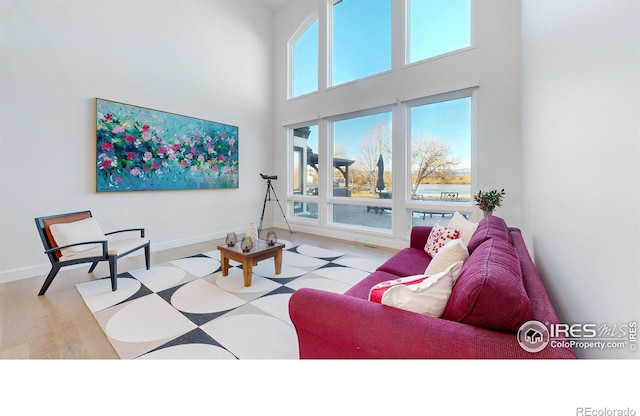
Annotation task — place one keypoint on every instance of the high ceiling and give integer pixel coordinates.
(275, 4)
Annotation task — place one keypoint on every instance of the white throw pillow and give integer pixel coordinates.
(452, 252)
(77, 232)
(428, 297)
(466, 227)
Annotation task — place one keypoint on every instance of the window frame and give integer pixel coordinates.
(407, 37)
(302, 29)
(440, 206)
(329, 49)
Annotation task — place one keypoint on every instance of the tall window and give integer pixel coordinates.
(361, 39)
(304, 59)
(437, 27)
(305, 169)
(362, 168)
(440, 151)
(361, 154)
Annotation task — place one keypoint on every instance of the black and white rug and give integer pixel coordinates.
(186, 309)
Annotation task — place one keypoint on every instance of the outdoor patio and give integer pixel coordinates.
(361, 215)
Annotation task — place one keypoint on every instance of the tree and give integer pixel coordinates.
(430, 157)
(376, 142)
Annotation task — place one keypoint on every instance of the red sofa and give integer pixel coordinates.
(498, 289)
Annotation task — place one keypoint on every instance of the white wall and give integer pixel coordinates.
(206, 59)
(493, 64)
(581, 147)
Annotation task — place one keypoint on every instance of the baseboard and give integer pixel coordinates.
(42, 269)
(362, 237)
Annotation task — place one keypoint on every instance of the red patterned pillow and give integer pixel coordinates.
(438, 237)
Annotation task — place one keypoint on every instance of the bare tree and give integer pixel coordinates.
(376, 142)
(430, 158)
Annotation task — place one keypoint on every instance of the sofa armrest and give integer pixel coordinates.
(419, 236)
(331, 325)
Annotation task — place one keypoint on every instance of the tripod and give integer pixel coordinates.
(267, 197)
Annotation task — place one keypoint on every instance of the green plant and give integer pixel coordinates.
(489, 200)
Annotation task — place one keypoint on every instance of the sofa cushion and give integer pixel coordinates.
(406, 262)
(489, 227)
(489, 292)
(452, 252)
(426, 295)
(466, 227)
(438, 237)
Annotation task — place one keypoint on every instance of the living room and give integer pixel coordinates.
(557, 126)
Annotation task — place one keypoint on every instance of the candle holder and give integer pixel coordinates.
(246, 244)
(231, 239)
(272, 238)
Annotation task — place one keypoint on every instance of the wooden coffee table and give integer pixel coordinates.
(260, 251)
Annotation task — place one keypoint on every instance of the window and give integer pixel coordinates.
(361, 39)
(304, 59)
(437, 27)
(362, 169)
(340, 166)
(362, 156)
(440, 151)
(305, 169)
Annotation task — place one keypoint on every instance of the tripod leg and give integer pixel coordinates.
(264, 205)
(281, 210)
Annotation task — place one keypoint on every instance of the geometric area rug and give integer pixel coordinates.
(186, 309)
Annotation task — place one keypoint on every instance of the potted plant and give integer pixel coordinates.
(489, 200)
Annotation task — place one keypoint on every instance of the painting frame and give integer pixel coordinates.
(143, 149)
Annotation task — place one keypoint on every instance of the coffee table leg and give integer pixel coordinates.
(247, 269)
(225, 265)
(277, 261)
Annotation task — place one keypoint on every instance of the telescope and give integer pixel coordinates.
(274, 177)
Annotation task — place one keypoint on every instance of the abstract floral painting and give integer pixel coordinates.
(140, 149)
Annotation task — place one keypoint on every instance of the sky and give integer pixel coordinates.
(362, 46)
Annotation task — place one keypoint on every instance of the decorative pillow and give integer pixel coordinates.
(77, 232)
(466, 227)
(428, 296)
(438, 237)
(376, 292)
(452, 252)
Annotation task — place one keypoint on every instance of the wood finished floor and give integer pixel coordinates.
(58, 325)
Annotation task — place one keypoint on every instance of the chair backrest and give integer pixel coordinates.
(44, 223)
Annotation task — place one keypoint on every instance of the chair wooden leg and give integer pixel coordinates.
(147, 256)
(113, 268)
(93, 266)
(49, 279)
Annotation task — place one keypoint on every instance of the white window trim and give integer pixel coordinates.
(306, 24)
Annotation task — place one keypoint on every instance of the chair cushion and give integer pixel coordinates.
(115, 248)
(489, 292)
(48, 222)
(77, 232)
